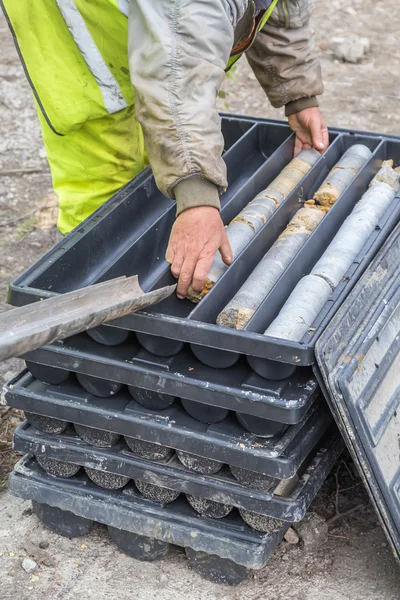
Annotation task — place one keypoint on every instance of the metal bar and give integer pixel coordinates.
(29, 327)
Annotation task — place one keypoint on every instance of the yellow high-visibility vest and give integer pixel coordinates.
(91, 37)
(75, 55)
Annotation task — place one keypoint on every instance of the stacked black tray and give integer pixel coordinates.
(157, 479)
(163, 406)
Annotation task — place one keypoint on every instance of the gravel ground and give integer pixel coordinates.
(355, 563)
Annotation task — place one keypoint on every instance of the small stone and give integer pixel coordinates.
(42, 153)
(285, 558)
(11, 554)
(163, 579)
(313, 531)
(43, 545)
(27, 512)
(83, 546)
(46, 560)
(29, 565)
(352, 48)
(35, 578)
(291, 536)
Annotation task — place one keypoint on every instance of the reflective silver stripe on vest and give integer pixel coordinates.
(123, 6)
(110, 90)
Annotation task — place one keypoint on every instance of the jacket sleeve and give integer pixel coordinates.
(284, 59)
(178, 50)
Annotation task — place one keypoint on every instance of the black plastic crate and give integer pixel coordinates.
(237, 388)
(70, 506)
(253, 161)
(225, 442)
(221, 487)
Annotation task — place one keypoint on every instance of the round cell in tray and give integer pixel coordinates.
(108, 336)
(108, 481)
(271, 369)
(156, 493)
(205, 466)
(254, 480)
(96, 437)
(159, 346)
(261, 427)
(209, 508)
(151, 400)
(46, 424)
(50, 375)
(98, 387)
(203, 412)
(57, 468)
(148, 450)
(216, 569)
(261, 522)
(62, 522)
(212, 357)
(138, 546)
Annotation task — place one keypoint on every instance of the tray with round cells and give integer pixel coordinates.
(222, 550)
(226, 442)
(206, 393)
(162, 478)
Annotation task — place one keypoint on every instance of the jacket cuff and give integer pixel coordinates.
(301, 104)
(195, 191)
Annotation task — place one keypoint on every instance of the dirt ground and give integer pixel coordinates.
(355, 563)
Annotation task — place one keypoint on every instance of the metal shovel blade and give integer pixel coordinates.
(29, 327)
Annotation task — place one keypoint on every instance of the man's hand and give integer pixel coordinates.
(310, 129)
(196, 236)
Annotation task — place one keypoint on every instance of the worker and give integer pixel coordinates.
(120, 83)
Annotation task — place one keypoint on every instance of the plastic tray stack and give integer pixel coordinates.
(156, 425)
(161, 478)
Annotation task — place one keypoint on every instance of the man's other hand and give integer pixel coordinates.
(196, 236)
(310, 129)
